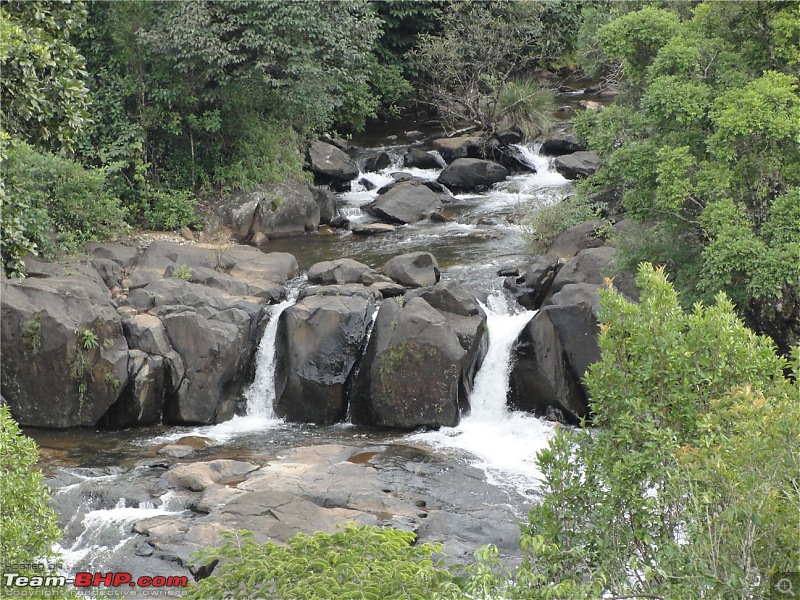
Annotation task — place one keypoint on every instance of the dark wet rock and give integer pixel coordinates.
(108, 270)
(416, 269)
(142, 401)
(458, 147)
(65, 358)
(388, 289)
(147, 333)
(406, 203)
(326, 200)
(577, 165)
(372, 228)
(330, 163)
(532, 287)
(508, 137)
(411, 373)
(422, 159)
(450, 296)
(579, 237)
(343, 270)
(376, 162)
(340, 222)
(550, 357)
(471, 174)
(565, 143)
(318, 342)
(579, 293)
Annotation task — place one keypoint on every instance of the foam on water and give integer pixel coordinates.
(503, 443)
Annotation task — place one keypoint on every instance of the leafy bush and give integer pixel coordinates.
(56, 202)
(170, 210)
(28, 526)
(544, 223)
(687, 487)
(527, 106)
(354, 562)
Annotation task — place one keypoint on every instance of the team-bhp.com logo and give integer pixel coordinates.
(85, 580)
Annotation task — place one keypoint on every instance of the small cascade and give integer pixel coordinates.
(260, 395)
(504, 442)
(546, 176)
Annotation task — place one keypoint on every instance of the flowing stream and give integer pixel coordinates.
(106, 481)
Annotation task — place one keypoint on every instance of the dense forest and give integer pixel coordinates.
(132, 114)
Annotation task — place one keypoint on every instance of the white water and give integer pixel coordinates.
(504, 443)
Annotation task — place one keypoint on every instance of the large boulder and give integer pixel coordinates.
(326, 200)
(577, 165)
(318, 342)
(579, 237)
(415, 269)
(274, 210)
(593, 266)
(463, 146)
(550, 357)
(65, 358)
(562, 143)
(376, 162)
(423, 159)
(341, 271)
(471, 174)
(142, 401)
(330, 164)
(406, 202)
(411, 372)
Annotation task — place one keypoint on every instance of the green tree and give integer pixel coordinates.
(705, 147)
(687, 486)
(45, 99)
(28, 526)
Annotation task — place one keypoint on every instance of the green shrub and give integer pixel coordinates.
(527, 106)
(57, 203)
(544, 223)
(28, 526)
(183, 272)
(171, 210)
(687, 486)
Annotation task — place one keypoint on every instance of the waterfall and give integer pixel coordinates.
(503, 442)
(260, 395)
(546, 176)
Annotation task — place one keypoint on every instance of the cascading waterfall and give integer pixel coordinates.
(504, 442)
(260, 395)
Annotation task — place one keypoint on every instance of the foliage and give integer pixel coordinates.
(87, 339)
(480, 47)
(28, 526)
(169, 211)
(706, 147)
(354, 562)
(526, 106)
(45, 99)
(686, 486)
(183, 272)
(543, 223)
(58, 203)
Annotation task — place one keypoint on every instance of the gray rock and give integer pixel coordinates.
(125, 256)
(593, 266)
(421, 159)
(176, 451)
(579, 293)
(411, 372)
(376, 162)
(458, 147)
(142, 401)
(343, 270)
(560, 144)
(449, 296)
(51, 375)
(347, 289)
(318, 342)
(406, 202)
(550, 357)
(531, 289)
(416, 269)
(577, 164)
(470, 174)
(200, 475)
(330, 162)
(579, 237)
(326, 200)
(372, 228)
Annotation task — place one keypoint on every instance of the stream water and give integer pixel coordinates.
(105, 481)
